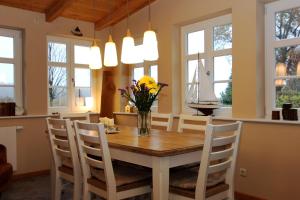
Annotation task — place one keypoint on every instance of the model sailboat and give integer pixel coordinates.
(200, 95)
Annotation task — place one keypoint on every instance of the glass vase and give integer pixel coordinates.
(144, 122)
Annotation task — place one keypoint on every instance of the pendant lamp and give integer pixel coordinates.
(95, 61)
(127, 54)
(110, 53)
(150, 41)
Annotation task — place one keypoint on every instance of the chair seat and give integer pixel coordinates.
(126, 178)
(184, 183)
(66, 170)
(184, 167)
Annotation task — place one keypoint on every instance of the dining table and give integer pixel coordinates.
(160, 151)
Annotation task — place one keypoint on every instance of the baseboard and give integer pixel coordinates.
(30, 174)
(242, 196)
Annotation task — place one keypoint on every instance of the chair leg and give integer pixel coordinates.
(58, 188)
(77, 190)
(86, 193)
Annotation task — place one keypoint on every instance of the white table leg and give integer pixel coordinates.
(160, 173)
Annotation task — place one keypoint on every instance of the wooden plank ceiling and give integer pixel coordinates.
(101, 12)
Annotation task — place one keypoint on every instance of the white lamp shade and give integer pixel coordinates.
(110, 54)
(150, 46)
(128, 46)
(95, 57)
(280, 69)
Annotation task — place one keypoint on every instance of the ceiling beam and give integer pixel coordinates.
(56, 9)
(120, 13)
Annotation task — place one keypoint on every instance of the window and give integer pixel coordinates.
(69, 76)
(282, 54)
(210, 43)
(11, 66)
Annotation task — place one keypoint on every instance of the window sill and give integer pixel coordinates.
(27, 116)
(258, 120)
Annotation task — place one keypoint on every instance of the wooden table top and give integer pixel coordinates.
(158, 143)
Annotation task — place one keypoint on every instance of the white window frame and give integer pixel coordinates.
(208, 55)
(70, 66)
(16, 61)
(270, 44)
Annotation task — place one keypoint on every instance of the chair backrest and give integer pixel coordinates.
(219, 156)
(63, 144)
(80, 116)
(188, 122)
(94, 152)
(167, 123)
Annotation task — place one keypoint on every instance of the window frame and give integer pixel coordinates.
(208, 55)
(270, 45)
(16, 61)
(70, 65)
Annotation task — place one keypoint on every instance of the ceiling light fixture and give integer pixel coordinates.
(127, 55)
(150, 45)
(95, 61)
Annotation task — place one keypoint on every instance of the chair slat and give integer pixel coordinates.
(92, 151)
(90, 139)
(67, 162)
(94, 163)
(87, 126)
(226, 128)
(63, 153)
(59, 132)
(219, 167)
(57, 122)
(221, 141)
(193, 127)
(62, 143)
(221, 154)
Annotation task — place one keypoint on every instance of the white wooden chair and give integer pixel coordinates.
(99, 175)
(185, 119)
(167, 124)
(214, 179)
(65, 156)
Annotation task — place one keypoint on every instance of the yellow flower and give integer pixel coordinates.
(149, 83)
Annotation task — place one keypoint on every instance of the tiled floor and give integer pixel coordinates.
(38, 188)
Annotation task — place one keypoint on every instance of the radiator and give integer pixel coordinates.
(8, 137)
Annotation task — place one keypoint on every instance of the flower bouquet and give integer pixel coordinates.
(144, 93)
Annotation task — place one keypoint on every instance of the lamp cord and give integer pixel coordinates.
(127, 14)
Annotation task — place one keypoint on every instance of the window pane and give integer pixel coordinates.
(288, 58)
(57, 76)
(7, 93)
(223, 37)
(196, 42)
(57, 52)
(223, 92)
(81, 94)
(288, 91)
(138, 73)
(82, 54)
(154, 72)
(193, 70)
(57, 80)
(57, 96)
(222, 68)
(6, 47)
(287, 24)
(82, 77)
(6, 74)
